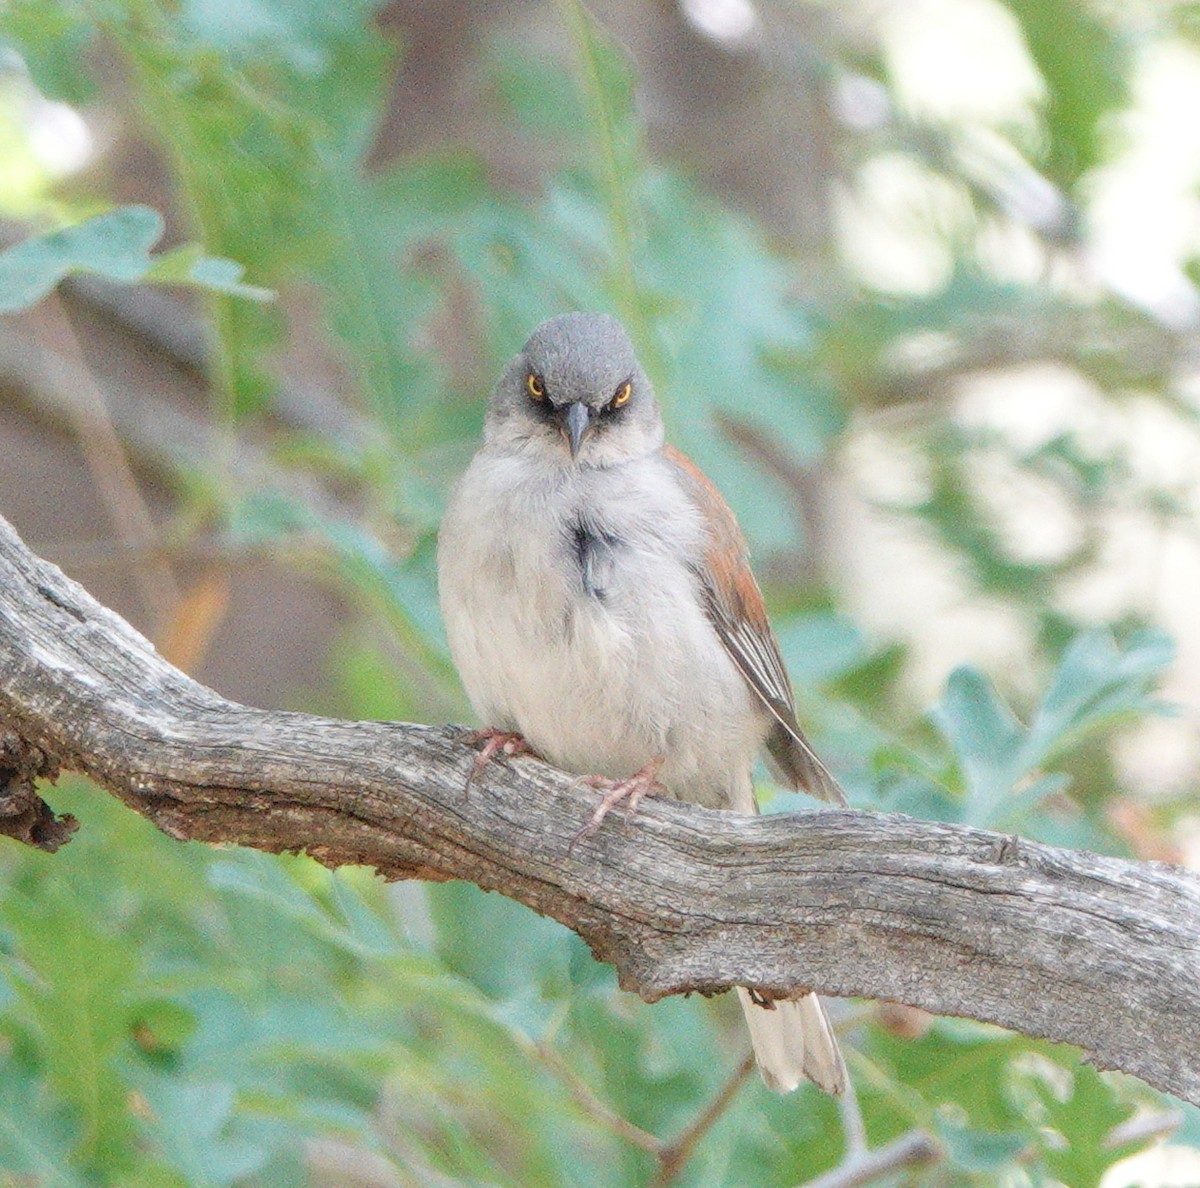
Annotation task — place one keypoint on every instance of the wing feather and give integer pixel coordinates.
(735, 608)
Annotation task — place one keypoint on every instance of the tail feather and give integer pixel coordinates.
(793, 1041)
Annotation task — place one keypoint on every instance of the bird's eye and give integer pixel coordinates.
(537, 389)
(621, 396)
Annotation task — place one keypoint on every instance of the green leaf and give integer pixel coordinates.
(1189, 1130)
(1098, 683)
(114, 245)
(498, 945)
(371, 298)
(268, 884)
(406, 593)
(189, 266)
(52, 40)
(980, 1150)
(1082, 1119)
(1085, 64)
(76, 981)
(190, 1127)
(986, 738)
(117, 247)
(36, 1138)
(957, 1066)
(821, 647)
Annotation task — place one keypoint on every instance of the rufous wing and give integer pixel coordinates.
(735, 607)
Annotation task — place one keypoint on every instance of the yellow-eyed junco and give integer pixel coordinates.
(602, 612)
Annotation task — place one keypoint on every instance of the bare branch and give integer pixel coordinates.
(1099, 952)
(673, 1156)
(908, 1150)
(592, 1103)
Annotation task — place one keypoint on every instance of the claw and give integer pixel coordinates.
(635, 789)
(495, 742)
(760, 999)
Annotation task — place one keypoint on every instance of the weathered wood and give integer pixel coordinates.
(1099, 952)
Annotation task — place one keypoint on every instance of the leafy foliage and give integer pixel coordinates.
(1096, 684)
(115, 246)
(1081, 60)
(171, 1015)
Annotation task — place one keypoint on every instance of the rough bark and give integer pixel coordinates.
(1099, 952)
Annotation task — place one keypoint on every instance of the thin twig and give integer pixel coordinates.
(674, 1155)
(592, 1104)
(160, 437)
(908, 1150)
(187, 636)
(100, 555)
(853, 1126)
(1143, 1128)
(105, 456)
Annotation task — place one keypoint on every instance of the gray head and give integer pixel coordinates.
(575, 394)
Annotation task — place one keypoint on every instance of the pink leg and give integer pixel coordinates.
(495, 742)
(635, 789)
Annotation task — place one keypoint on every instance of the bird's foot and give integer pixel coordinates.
(634, 789)
(495, 742)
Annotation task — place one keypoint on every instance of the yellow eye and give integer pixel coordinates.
(537, 389)
(621, 397)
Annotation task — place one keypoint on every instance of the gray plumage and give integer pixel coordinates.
(597, 601)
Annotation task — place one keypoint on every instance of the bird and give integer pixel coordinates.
(602, 614)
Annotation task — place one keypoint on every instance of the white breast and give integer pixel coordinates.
(600, 685)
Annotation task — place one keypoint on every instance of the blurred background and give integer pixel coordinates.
(917, 284)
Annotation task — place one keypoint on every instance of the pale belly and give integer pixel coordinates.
(600, 685)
